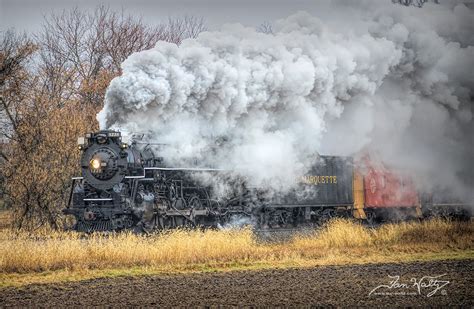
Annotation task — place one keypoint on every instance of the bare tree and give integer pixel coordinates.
(265, 27)
(52, 86)
(179, 28)
(27, 115)
(417, 3)
(16, 53)
(88, 47)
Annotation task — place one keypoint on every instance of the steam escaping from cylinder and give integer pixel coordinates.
(356, 76)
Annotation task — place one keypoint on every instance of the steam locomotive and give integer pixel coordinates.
(128, 187)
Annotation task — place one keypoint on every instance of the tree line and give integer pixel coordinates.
(52, 84)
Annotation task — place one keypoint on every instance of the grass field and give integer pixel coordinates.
(5, 218)
(58, 256)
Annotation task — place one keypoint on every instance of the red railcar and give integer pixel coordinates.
(386, 190)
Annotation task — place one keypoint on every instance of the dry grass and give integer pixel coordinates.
(341, 240)
(5, 218)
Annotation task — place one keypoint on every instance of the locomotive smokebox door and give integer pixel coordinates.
(103, 163)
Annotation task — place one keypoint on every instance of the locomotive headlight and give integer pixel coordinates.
(95, 164)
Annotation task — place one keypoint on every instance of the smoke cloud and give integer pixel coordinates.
(357, 76)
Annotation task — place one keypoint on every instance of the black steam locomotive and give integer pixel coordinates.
(127, 186)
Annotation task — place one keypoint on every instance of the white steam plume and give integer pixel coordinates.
(355, 76)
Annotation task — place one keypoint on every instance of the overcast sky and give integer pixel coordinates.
(28, 14)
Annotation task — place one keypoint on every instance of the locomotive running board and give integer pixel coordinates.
(308, 205)
(190, 169)
(184, 212)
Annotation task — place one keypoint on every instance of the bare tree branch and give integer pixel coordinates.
(265, 27)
